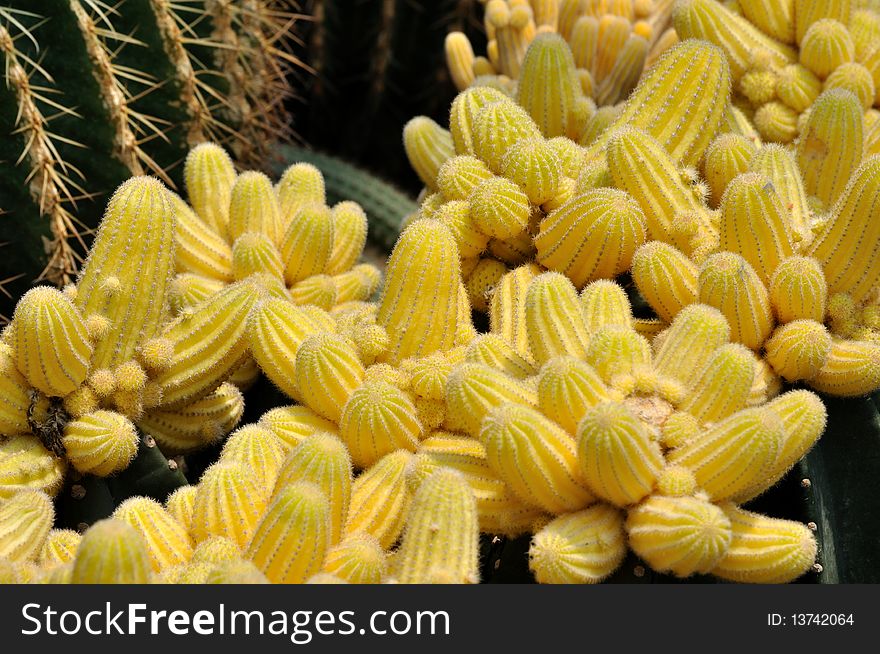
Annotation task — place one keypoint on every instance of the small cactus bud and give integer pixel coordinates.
(292, 539)
(200, 249)
(111, 552)
(180, 505)
(852, 369)
(307, 244)
(258, 449)
(26, 463)
(682, 535)
(253, 207)
(855, 78)
(567, 389)
(25, 520)
(473, 389)
(229, 502)
(830, 146)
(535, 458)
(679, 428)
(380, 499)
(616, 350)
(533, 165)
(349, 237)
(592, 236)
(665, 277)
(734, 454)
(166, 540)
(293, 424)
(323, 460)
(497, 127)
(765, 550)
(135, 246)
(724, 384)
(459, 59)
(777, 122)
(618, 459)
(570, 155)
(358, 559)
(798, 290)
(317, 290)
(730, 284)
(846, 247)
(100, 443)
(605, 303)
(579, 548)
(326, 372)
(59, 548)
(825, 46)
(754, 224)
(460, 175)
(52, 344)
(463, 115)
(201, 423)
(210, 176)
(219, 326)
(499, 208)
(427, 147)
(421, 318)
(696, 332)
(798, 87)
(799, 349)
(440, 543)
(300, 184)
(554, 319)
(676, 481)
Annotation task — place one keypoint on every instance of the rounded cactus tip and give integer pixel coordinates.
(111, 552)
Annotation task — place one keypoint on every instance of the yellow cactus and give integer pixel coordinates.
(618, 459)
(349, 237)
(25, 520)
(734, 454)
(257, 448)
(300, 184)
(463, 115)
(216, 549)
(100, 443)
(845, 245)
(724, 384)
(26, 464)
(799, 349)
(111, 552)
(208, 345)
(729, 283)
(380, 499)
(592, 236)
(15, 397)
(851, 369)
(128, 270)
(210, 176)
(253, 207)
(321, 459)
(855, 78)
(59, 548)
(421, 319)
(166, 540)
(682, 535)
(583, 547)
(494, 351)
(198, 424)
(427, 147)
(236, 572)
(830, 145)
(228, 503)
(535, 458)
(327, 371)
(665, 277)
(459, 59)
(697, 331)
(778, 165)
(567, 389)
(497, 127)
(358, 559)
(617, 350)
(440, 544)
(255, 253)
(554, 321)
(798, 290)
(180, 505)
(765, 550)
(726, 157)
(548, 86)
(474, 389)
(292, 539)
(482, 281)
(826, 45)
(293, 424)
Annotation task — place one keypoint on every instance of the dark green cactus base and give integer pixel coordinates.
(85, 499)
(386, 206)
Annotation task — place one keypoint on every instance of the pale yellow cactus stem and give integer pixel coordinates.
(798, 290)
(349, 237)
(327, 370)
(200, 249)
(830, 146)
(579, 548)
(727, 156)
(474, 389)
(567, 389)
(723, 386)
(100, 443)
(26, 463)
(210, 176)
(421, 318)
(293, 424)
(167, 541)
(300, 184)
(463, 115)
(554, 321)
(826, 45)
(776, 20)
(229, 502)
(665, 277)
(799, 349)
(25, 520)
(111, 552)
(253, 207)
(625, 74)
(459, 59)
(696, 332)
(129, 268)
(380, 499)
(852, 369)
(427, 147)
(497, 127)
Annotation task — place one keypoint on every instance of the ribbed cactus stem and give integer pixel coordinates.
(724, 384)
(111, 552)
(665, 277)
(380, 499)
(327, 371)
(548, 86)
(101, 443)
(166, 540)
(441, 537)
(583, 547)
(25, 520)
(229, 502)
(474, 389)
(696, 332)
(210, 176)
(554, 321)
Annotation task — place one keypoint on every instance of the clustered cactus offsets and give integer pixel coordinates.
(409, 432)
(94, 92)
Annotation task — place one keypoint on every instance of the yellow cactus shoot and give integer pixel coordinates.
(301, 183)
(349, 237)
(583, 547)
(682, 535)
(358, 559)
(257, 448)
(111, 552)
(463, 115)
(554, 320)
(592, 236)
(723, 386)
(536, 458)
(427, 146)
(665, 277)
(851, 369)
(726, 157)
(474, 389)
(421, 317)
(619, 460)
(293, 424)
(292, 539)
(799, 349)
(25, 520)
(253, 207)
(825, 46)
(696, 332)
(380, 499)
(497, 353)
(167, 542)
(440, 544)
(765, 550)
(548, 86)
(59, 548)
(101, 442)
(26, 464)
(327, 371)
(229, 502)
(210, 176)
(497, 127)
